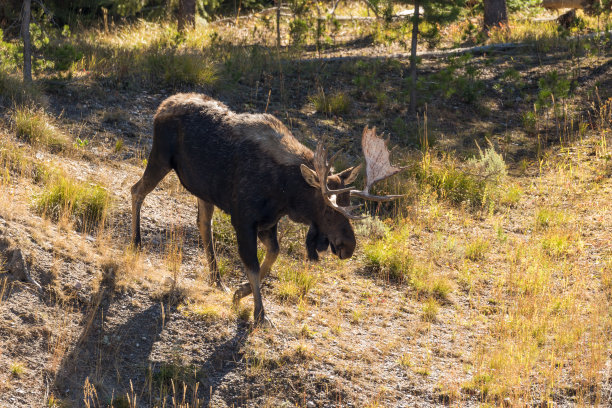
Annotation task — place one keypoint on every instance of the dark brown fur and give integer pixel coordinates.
(248, 165)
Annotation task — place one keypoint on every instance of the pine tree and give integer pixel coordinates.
(495, 13)
(27, 48)
(434, 12)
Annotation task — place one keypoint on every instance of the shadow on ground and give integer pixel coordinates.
(114, 354)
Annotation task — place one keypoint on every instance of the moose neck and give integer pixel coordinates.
(303, 205)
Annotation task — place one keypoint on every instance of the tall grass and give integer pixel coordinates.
(37, 128)
(148, 53)
(66, 197)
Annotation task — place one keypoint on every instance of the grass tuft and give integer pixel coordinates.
(338, 103)
(430, 310)
(66, 197)
(36, 127)
(17, 369)
(295, 283)
(476, 250)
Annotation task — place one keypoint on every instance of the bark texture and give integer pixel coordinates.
(186, 17)
(27, 46)
(413, 57)
(495, 13)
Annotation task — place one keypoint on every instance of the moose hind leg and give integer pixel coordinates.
(153, 174)
(205, 214)
(269, 239)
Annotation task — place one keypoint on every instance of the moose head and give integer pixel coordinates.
(333, 228)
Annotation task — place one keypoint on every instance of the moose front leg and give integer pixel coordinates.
(269, 239)
(315, 242)
(247, 247)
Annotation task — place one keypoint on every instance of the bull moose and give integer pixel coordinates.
(251, 167)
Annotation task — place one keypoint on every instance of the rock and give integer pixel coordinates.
(310, 404)
(16, 264)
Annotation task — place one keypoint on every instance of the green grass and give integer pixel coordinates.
(476, 250)
(453, 184)
(556, 245)
(17, 369)
(430, 310)
(64, 196)
(295, 283)
(36, 127)
(338, 103)
(546, 218)
(176, 69)
(511, 196)
(389, 259)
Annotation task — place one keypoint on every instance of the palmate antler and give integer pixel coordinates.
(378, 167)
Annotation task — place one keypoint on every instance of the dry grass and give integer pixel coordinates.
(37, 128)
(485, 292)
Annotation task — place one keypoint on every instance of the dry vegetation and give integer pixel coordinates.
(489, 284)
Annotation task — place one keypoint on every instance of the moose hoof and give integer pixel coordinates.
(264, 323)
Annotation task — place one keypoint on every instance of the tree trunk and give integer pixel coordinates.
(413, 57)
(278, 16)
(186, 17)
(27, 47)
(495, 13)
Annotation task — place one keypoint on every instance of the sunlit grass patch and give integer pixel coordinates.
(148, 53)
(477, 249)
(333, 104)
(511, 195)
(428, 284)
(430, 310)
(295, 281)
(17, 369)
(455, 185)
(205, 312)
(558, 244)
(66, 197)
(391, 261)
(300, 352)
(36, 127)
(15, 162)
(540, 325)
(546, 218)
(181, 68)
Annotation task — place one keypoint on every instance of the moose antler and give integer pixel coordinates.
(378, 166)
(322, 167)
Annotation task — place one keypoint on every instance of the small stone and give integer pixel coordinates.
(310, 404)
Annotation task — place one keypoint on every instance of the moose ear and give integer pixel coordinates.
(309, 175)
(349, 175)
